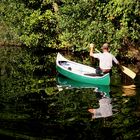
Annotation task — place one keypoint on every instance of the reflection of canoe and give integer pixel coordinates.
(102, 93)
(80, 72)
(66, 82)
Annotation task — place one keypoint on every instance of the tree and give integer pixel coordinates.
(41, 25)
(99, 21)
(12, 14)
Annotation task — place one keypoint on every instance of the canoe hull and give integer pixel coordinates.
(98, 80)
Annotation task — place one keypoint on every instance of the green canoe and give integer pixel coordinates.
(80, 72)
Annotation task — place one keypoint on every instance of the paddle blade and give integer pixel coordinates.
(128, 72)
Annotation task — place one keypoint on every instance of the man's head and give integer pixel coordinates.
(105, 46)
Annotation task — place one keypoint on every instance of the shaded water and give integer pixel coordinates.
(55, 107)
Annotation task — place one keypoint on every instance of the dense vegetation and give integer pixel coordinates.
(68, 23)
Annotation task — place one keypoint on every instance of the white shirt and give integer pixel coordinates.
(105, 59)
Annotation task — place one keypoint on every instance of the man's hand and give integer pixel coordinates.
(92, 46)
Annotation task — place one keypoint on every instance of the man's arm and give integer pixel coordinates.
(115, 60)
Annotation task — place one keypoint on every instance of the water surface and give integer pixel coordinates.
(54, 107)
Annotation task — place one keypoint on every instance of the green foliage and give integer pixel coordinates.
(124, 17)
(68, 23)
(12, 15)
(40, 27)
(98, 21)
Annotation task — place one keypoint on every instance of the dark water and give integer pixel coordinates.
(56, 108)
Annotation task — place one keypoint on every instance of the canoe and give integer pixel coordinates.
(80, 72)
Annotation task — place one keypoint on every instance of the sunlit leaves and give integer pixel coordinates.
(100, 21)
(41, 26)
(12, 16)
(122, 14)
(68, 23)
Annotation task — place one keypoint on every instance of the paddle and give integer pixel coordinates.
(128, 72)
(124, 69)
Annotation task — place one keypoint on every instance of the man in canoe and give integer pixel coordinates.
(106, 59)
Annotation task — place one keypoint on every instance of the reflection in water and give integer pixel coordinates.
(129, 90)
(102, 93)
(63, 82)
(105, 107)
(33, 109)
